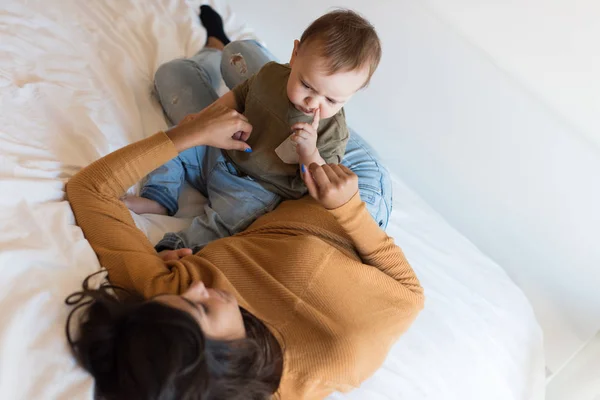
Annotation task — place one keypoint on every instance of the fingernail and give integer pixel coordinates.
(248, 150)
(303, 169)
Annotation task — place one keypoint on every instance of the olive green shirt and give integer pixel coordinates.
(263, 100)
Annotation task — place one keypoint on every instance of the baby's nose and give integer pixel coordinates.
(312, 103)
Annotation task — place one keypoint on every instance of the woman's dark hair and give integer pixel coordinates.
(138, 349)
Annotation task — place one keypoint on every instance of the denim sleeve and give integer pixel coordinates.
(164, 184)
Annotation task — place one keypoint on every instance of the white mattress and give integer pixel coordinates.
(75, 84)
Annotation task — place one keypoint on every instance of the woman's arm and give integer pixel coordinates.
(374, 246)
(228, 100)
(336, 188)
(122, 249)
(372, 303)
(94, 194)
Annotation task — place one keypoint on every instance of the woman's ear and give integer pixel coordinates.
(294, 52)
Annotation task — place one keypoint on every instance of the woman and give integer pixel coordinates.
(307, 301)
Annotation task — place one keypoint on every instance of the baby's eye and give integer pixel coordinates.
(305, 85)
(330, 101)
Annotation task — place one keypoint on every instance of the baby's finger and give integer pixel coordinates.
(302, 134)
(316, 119)
(238, 145)
(183, 252)
(303, 126)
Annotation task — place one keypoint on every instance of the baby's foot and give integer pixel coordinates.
(212, 21)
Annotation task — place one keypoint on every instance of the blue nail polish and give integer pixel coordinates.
(303, 169)
(248, 150)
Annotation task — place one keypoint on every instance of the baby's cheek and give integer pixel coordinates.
(291, 91)
(293, 96)
(328, 112)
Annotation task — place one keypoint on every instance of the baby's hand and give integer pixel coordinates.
(305, 136)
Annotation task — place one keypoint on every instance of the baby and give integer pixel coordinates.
(297, 117)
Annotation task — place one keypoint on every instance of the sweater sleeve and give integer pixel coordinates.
(292, 388)
(94, 194)
(376, 248)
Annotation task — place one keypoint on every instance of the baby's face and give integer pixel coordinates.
(310, 86)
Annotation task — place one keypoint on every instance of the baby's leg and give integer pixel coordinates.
(186, 86)
(164, 184)
(374, 181)
(242, 59)
(234, 202)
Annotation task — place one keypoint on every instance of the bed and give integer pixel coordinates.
(76, 84)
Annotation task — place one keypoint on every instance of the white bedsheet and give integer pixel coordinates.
(75, 84)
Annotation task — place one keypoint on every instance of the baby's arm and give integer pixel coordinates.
(314, 157)
(305, 136)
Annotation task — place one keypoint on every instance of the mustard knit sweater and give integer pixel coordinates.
(331, 285)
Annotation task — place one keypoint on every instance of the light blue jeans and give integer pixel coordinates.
(186, 86)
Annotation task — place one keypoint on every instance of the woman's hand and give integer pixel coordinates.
(173, 255)
(332, 185)
(216, 126)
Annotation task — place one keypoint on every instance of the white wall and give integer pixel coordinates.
(549, 46)
(579, 380)
(511, 170)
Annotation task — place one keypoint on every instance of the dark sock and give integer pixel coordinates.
(213, 23)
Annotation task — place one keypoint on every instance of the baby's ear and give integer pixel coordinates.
(294, 52)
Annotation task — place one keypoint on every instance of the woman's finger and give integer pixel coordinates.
(233, 144)
(331, 173)
(316, 119)
(243, 126)
(242, 116)
(244, 136)
(339, 172)
(346, 170)
(319, 175)
(309, 182)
